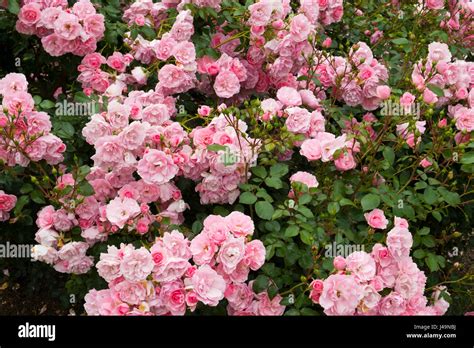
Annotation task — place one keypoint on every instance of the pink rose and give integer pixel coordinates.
(376, 219)
(130, 292)
(425, 163)
(239, 224)
(399, 242)
(392, 304)
(339, 263)
(255, 254)
(439, 52)
(7, 202)
(208, 285)
(345, 161)
(341, 295)
(120, 210)
(361, 265)
(407, 99)
(299, 120)
(317, 287)
(67, 26)
(171, 76)
(226, 84)
(30, 14)
(383, 92)
(184, 52)
(231, 252)
(300, 28)
(239, 296)
(429, 97)
(156, 167)
(268, 307)
(203, 249)
(117, 62)
(136, 264)
(289, 96)
(400, 222)
(435, 4)
(305, 178)
(12, 83)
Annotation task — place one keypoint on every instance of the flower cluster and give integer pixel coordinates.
(222, 171)
(95, 78)
(162, 281)
(62, 30)
(358, 79)
(355, 288)
(7, 203)
(458, 21)
(25, 133)
(455, 81)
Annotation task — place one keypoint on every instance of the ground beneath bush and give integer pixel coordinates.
(15, 301)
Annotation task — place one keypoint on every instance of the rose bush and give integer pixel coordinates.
(263, 157)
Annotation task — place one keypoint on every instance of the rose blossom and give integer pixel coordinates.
(136, 264)
(208, 285)
(376, 219)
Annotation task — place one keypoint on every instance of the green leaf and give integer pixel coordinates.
(305, 211)
(292, 312)
(292, 231)
(264, 210)
(47, 104)
(247, 198)
(20, 203)
(274, 182)
(64, 130)
(389, 155)
(333, 208)
(435, 89)
(37, 197)
(430, 195)
(308, 312)
(13, 6)
(216, 147)
(424, 231)
(428, 241)
(345, 201)
(279, 170)
(400, 41)
(419, 253)
(432, 262)
(437, 215)
(26, 188)
(259, 171)
(306, 237)
(468, 158)
(261, 283)
(85, 189)
(304, 199)
(370, 201)
(83, 172)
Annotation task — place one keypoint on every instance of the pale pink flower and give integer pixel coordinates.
(208, 285)
(376, 219)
